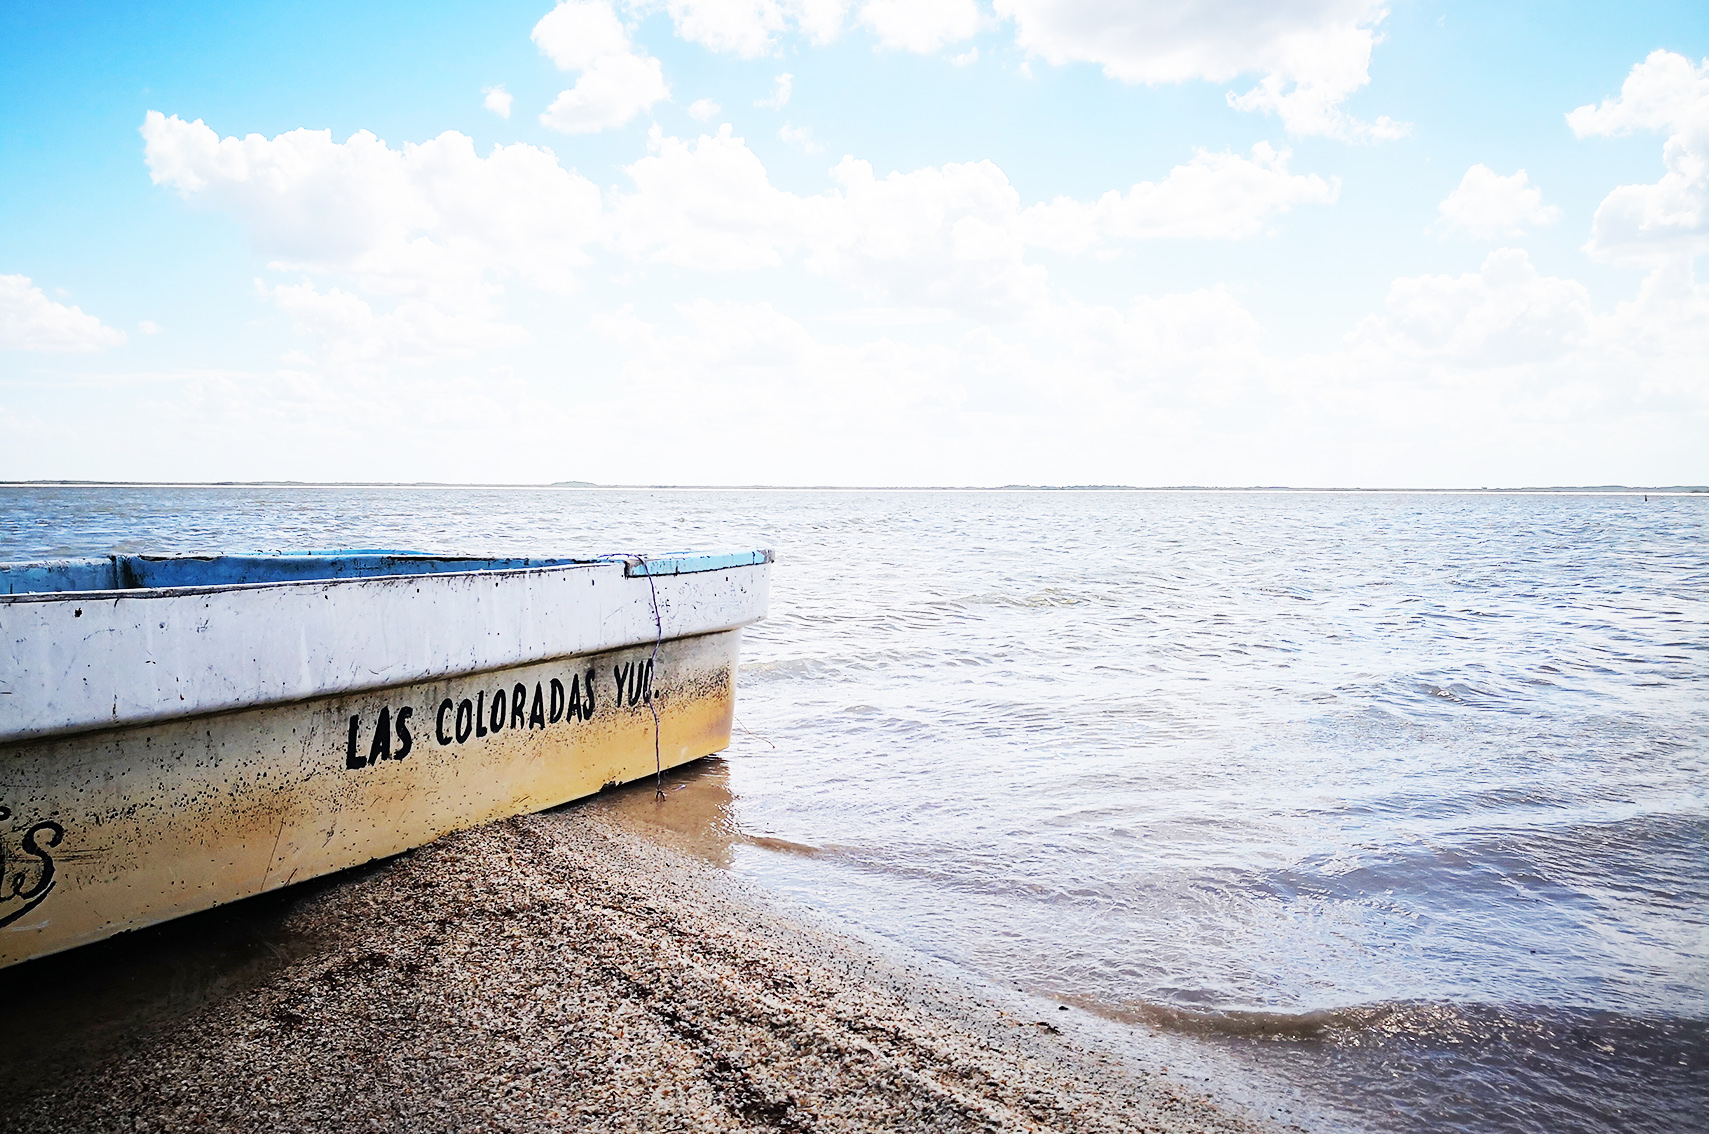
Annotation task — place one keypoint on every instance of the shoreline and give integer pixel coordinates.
(586, 967)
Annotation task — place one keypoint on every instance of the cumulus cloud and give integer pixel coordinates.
(30, 320)
(422, 238)
(746, 28)
(1216, 196)
(1511, 370)
(751, 28)
(617, 82)
(1488, 206)
(1669, 219)
(349, 334)
(610, 93)
(840, 406)
(707, 204)
(1499, 375)
(1311, 54)
(1506, 312)
(498, 100)
(431, 220)
(780, 94)
(934, 236)
(578, 33)
(955, 235)
(940, 236)
(1308, 56)
(437, 226)
(703, 110)
(921, 26)
(800, 136)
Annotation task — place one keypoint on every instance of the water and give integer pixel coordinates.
(1393, 807)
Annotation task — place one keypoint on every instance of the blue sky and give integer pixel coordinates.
(1043, 241)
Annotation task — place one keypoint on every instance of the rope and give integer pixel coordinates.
(652, 671)
(748, 730)
(658, 640)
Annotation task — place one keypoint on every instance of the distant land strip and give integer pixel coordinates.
(588, 484)
(1659, 490)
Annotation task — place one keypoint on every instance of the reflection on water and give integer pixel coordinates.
(697, 812)
(691, 808)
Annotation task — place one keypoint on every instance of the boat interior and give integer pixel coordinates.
(151, 572)
(142, 572)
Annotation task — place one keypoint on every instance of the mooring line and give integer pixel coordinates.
(652, 672)
(748, 730)
(653, 665)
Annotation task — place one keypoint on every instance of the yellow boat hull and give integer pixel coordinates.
(108, 831)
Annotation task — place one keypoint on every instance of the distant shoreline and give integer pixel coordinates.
(1579, 490)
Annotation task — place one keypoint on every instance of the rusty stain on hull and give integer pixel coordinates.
(108, 831)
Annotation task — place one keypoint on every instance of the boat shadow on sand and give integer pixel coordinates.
(86, 1002)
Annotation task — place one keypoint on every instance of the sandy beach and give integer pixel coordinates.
(588, 968)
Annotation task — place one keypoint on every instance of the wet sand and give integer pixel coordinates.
(587, 968)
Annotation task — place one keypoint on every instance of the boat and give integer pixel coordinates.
(178, 732)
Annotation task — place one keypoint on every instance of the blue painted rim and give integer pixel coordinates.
(169, 572)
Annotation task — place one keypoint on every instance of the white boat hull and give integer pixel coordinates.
(113, 828)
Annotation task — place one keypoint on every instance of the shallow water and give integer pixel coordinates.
(1394, 803)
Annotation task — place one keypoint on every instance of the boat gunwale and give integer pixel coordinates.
(727, 594)
(626, 561)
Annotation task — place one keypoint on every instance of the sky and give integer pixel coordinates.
(861, 242)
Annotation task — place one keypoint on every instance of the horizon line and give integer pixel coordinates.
(1612, 489)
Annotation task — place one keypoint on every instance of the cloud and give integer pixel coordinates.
(1311, 54)
(498, 100)
(1515, 377)
(349, 334)
(149, 327)
(847, 412)
(751, 28)
(30, 320)
(616, 83)
(935, 236)
(939, 236)
(1216, 196)
(707, 204)
(578, 33)
(921, 26)
(954, 236)
(966, 58)
(431, 220)
(1669, 219)
(780, 96)
(1503, 314)
(800, 136)
(738, 27)
(388, 240)
(611, 93)
(703, 110)
(1502, 375)
(1488, 206)
(1088, 393)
